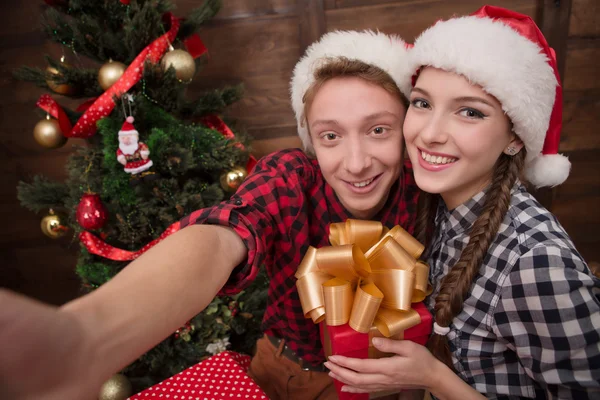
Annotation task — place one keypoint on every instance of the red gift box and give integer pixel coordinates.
(223, 376)
(345, 341)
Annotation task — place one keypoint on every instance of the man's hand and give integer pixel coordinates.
(43, 352)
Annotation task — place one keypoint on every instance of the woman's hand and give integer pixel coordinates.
(412, 367)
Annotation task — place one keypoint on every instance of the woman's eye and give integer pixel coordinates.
(471, 113)
(379, 130)
(330, 136)
(420, 103)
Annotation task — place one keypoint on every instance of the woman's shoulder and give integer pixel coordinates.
(532, 221)
(538, 232)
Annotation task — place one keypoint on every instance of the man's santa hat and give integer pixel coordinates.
(128, 128)
(506, 54)
(383, 51)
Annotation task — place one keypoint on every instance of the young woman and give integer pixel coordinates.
(516, 309)
(350, 112)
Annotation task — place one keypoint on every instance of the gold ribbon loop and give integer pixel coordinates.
(397, 287)
(312, 300)
(308, 264)
(309, 284)
(380, 264)
(421, 282)
(407, 241)
(362, 233)
(388, 254)
(338, 301)
(337, 234)
(366, 303)
(347, 262)
(392, 322)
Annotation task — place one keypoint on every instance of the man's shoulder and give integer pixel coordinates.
(289, 160)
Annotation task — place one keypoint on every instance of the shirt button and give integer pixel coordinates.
(238, 202)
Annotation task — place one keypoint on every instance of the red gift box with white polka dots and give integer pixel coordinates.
(222, 376)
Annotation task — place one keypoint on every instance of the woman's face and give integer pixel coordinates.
(455, 132)
(356, 131)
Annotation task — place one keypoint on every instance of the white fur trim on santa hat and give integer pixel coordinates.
(505, 64)
(374, 48)
(548, 170)
(129, 132)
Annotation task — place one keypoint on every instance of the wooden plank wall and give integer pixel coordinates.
(577, 201)
(258, 43)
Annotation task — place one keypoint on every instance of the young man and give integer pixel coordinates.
(350, 111)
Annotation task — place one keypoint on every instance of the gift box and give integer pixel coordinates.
(368, 283)
(222, 376)
(345, 341)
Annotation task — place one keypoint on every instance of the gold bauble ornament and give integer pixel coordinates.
(60, 88)
(182, 61)
(53, 226)
(231, 180)
(117, 387)
(48, 134)
(109, 73)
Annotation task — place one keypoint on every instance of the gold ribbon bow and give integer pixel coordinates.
(370, 275)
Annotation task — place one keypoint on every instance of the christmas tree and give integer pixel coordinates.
(151, 155)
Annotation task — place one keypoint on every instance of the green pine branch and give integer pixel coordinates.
(85, 81)
(42, 194)
(188, 158)
(199, 16)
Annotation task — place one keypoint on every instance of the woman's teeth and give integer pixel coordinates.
(437, 159)
(363, 184)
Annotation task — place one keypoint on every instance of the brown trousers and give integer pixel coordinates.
(283, 379)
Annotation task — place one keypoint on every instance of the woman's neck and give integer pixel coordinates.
(460, 195)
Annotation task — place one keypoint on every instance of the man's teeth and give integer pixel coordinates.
(363, 184)
(437, 159)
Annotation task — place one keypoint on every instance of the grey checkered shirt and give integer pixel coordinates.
(530, 327)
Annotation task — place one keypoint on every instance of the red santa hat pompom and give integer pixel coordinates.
(128, 128)
(506, 54)
(387, 52)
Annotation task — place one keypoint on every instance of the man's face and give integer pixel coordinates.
(356, 131)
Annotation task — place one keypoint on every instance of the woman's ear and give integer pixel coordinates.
(514, 146)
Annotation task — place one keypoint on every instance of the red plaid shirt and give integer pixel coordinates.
(284, 206)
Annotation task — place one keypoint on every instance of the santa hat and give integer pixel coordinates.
(128, 128)
(383, 51)
(506, 54)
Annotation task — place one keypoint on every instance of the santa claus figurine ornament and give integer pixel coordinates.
(133, 154)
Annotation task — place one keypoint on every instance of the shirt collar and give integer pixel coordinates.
(463, 217)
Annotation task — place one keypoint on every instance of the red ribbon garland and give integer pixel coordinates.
(100, 248)
(216, 123)
(103, 105)
(96, 246)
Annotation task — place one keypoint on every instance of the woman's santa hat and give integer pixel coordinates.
(383, 51)
(506, 54)
(128, 128)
